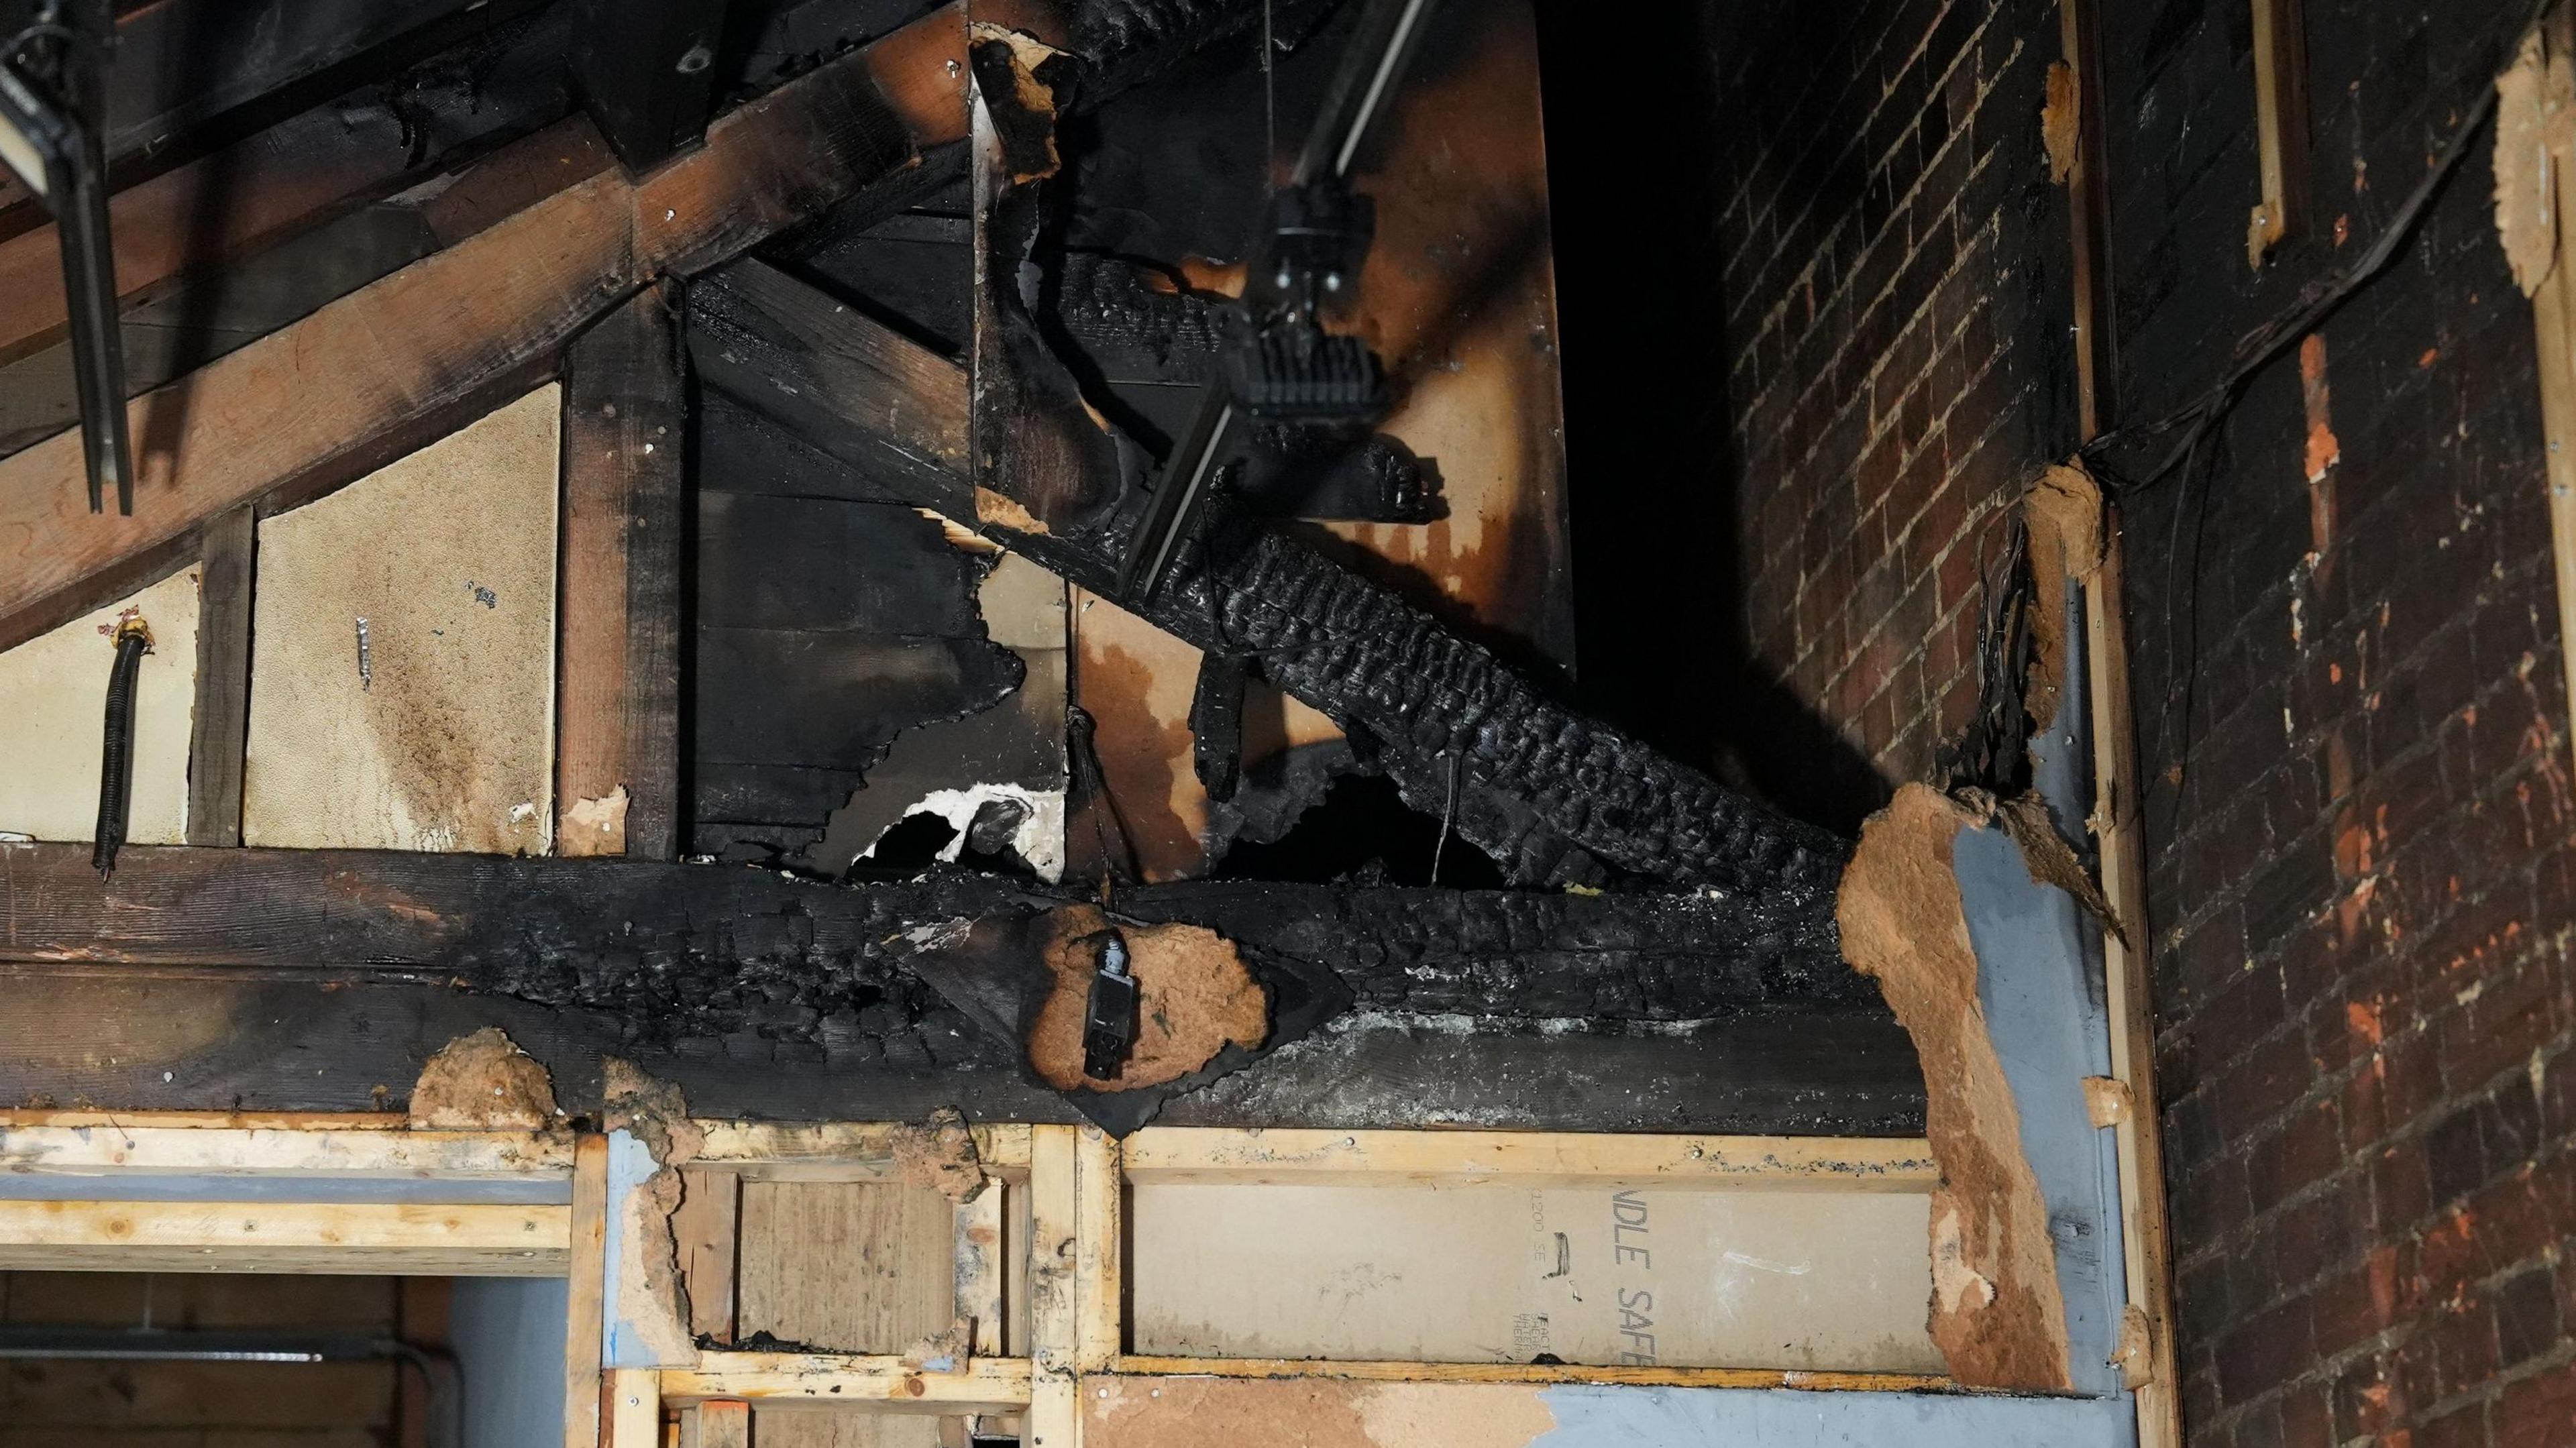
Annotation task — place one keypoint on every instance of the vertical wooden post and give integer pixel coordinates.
(2280, 126)
(1099, 1261)
(1054, 1287)
(980, 1257)
(584, 1327)
(2146, 1251)
(644, 69)
(221, 732)
(624, 434)
(635, 1408)
(2553, 312)
(705, 1231)
(715, 1425)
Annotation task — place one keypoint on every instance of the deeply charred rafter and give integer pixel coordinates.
(1549, 793)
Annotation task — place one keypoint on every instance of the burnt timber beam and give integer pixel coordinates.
(320, 980)
(672, 944)
(1550, 794)
(645, 70)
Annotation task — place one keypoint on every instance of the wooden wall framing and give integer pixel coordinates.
(1074, 1178)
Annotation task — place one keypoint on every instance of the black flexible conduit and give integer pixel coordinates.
(116, 764)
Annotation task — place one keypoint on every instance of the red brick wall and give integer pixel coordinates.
(2362, 881)
(1894, 312)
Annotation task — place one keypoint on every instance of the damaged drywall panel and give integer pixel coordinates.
(1185, 1412)
(403, 651)
(53, 698)
(1815, 1280)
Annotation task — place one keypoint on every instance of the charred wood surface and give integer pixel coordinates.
(1550, 794)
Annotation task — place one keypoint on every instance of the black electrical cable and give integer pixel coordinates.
(116, 763)
(2319, 299)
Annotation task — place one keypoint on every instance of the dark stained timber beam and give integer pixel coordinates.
(645, 70)
(1549, 794)
(674, 946)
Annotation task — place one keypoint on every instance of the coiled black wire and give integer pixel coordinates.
(116, 764)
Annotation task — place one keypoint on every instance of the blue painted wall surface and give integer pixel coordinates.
(508, 1334)
(1621, 1417)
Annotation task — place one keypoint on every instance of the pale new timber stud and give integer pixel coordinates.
(2280, 126)
(327, 1148)
(1197, 1155)
(1099, 1267)
(1054, 1297)
(1354, 1370)
(856, 1151)
(585, 1329)
(879, 1383)
(402, 1238)
(2553, 311)
(634, 1409)
(981, 1258)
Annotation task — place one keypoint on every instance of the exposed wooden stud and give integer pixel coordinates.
(2280, 126)
(1176, 1155)
(982, 1253)
(2145, 1248)
(2553, 311)
(381, 370)
(1412, 1372)
(705, 1231)
(585, 1328)
(617, 751)
(715, 1424)
(987, 1385)
(1099, 1261)
(358, 1237)
(644, 69)
(1054, 1292)
(634, 1408)
(221, 729)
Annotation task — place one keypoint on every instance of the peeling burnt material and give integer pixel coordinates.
(1550, 794)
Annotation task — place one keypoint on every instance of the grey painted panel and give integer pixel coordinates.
(508, 1336)
(1624, 1417)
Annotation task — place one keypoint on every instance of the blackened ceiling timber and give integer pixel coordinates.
(1573, 1011)
(1551, 795)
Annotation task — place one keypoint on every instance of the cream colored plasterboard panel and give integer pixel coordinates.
(440, 735)
(1611, 1275)
(53, 704)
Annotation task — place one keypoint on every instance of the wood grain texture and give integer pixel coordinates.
(309, 398)
(625, 427)
(358, 1237)
(585, 1317)
(221, 728)
(851, 1267)
(706, 1232)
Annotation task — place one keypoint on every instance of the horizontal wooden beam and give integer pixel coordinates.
(1135, 1366)
(310, 1150)
(985, 1385)
(1159, 1156)
(331, 1237)
(770, 1148)
(672, 943)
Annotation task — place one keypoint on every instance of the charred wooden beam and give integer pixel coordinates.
(680, 949)
(645, 69)
(1550, 794)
